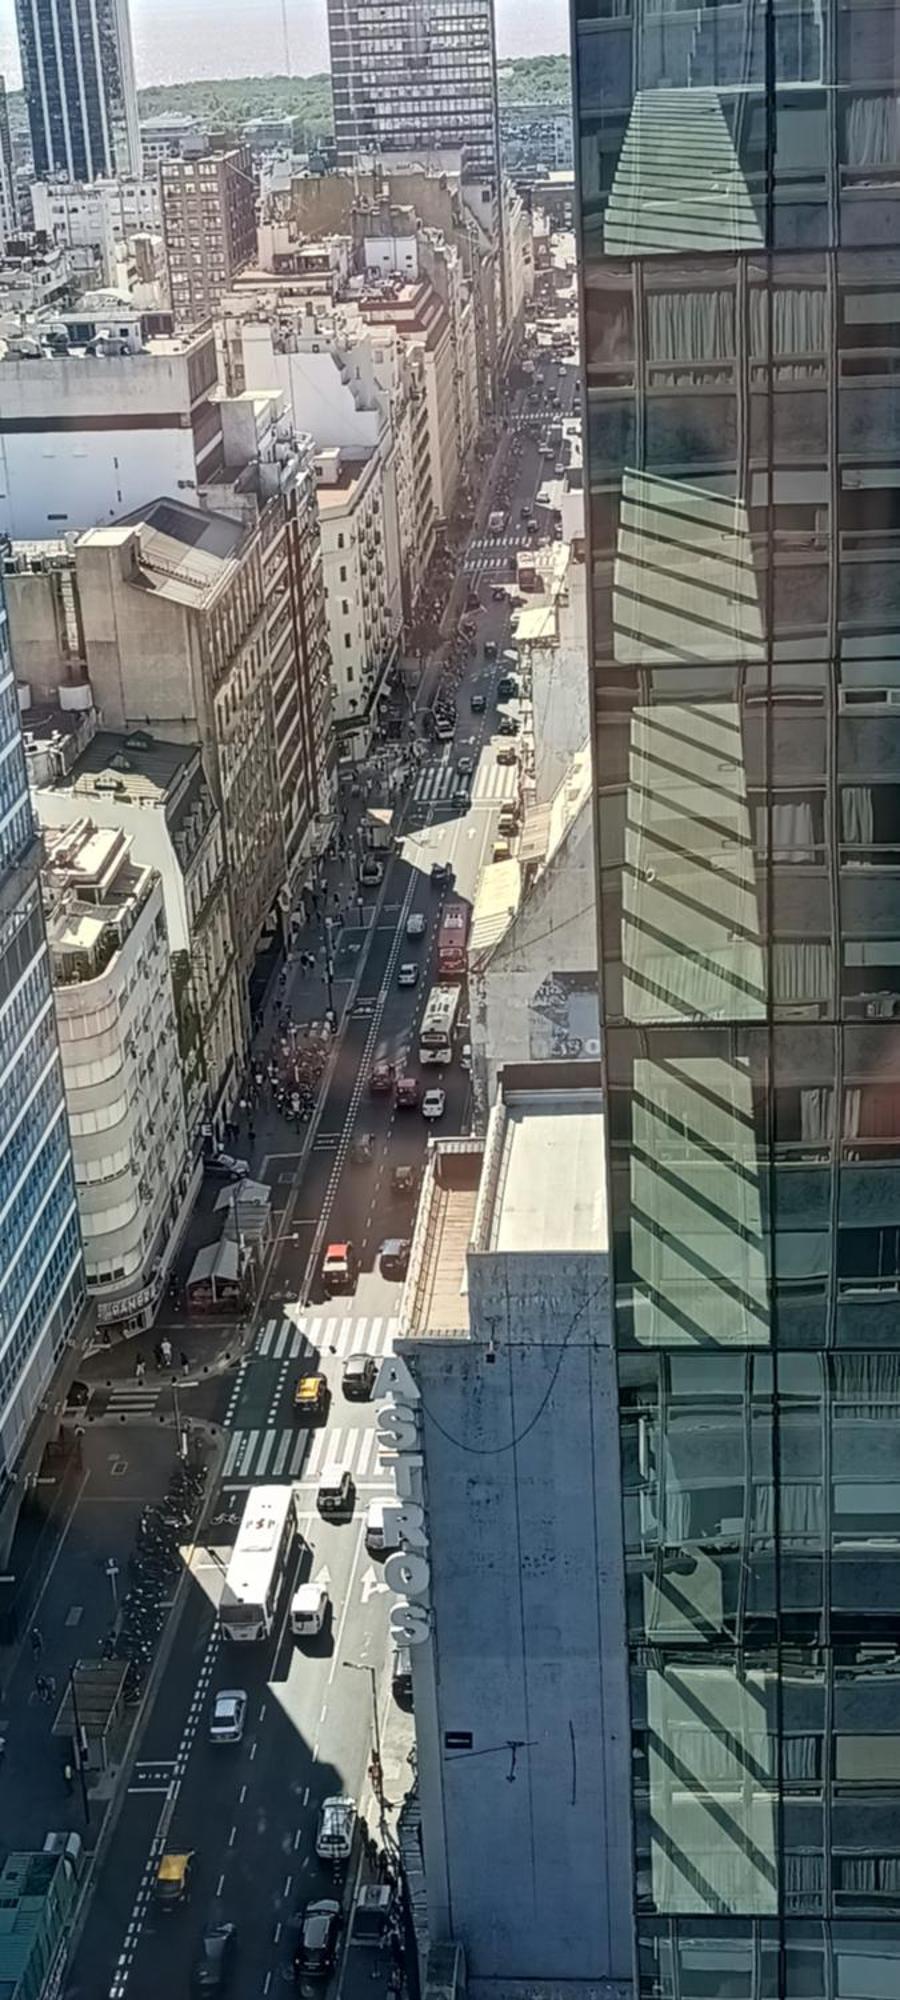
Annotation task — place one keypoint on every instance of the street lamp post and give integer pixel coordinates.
(112, 1572)
(359, 1667)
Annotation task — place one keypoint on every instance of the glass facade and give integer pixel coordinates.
(41, 1271)
(78, 78)
(739, 213)
(415, 76)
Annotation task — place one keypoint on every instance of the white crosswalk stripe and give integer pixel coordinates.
(131, 1396)
(282, 1453)
(321, 1334)
(493, 783)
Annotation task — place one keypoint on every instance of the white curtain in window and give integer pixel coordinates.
(801, 971)
(873, 132)
(800, 1755)
(800, 1511)
(678, 1518)
(792, 830)
(870, 1382)
(870, 1875)
(857, 816)
(690, 326)
(816, 1114)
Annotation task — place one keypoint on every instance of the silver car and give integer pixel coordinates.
(229, 1713)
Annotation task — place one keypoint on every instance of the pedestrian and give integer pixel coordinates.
(139, 1369)
(42, 1687)
(158, 1354)
(251, 1137)
(165, 1348)
(37, 1642)
(185, 1364)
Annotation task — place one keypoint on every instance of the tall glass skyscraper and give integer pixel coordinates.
(416, 78)
(739, 196)
(78, 76)
(41, 1269)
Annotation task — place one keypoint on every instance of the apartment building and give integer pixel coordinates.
(115, 1009)
(362, 634)
(174, 618)
(158, 794)
(209, 223)
(84, 441)
(9, 194)
(42, 1286)
(740, 249)
(102, 216)
(269, 481)
(355, 392)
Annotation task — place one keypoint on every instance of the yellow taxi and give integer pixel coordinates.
(311, 1399)
(173, 1880)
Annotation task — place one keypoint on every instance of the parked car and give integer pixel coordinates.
(465, 765)
(441, 875)
(226, 1167)
(507, 753)
(507, 725)
(335, 1829)
(319, 1931)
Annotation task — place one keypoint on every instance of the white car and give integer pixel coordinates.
(226, 1167)
(335, 1829)
(434, 1104)
(415, 925)
(229, 1713)
(310, 1611)
(408, 975)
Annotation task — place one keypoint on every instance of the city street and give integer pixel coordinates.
(248, 1811)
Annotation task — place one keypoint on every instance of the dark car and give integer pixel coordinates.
(442, 874)
(212, 1968)
(507, 726)
(507, 687)
(393, 1257)
(358, 1379)
(316, 1949)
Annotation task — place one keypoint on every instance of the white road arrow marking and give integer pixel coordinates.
(323, 1577)
(372, 1585)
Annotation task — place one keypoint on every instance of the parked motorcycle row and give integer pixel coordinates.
(153, 1566)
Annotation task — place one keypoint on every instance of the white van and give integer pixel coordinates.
(381, 1529)
(310, 1611)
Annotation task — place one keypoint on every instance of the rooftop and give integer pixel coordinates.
(535, 1187)
(182, 552)
(550, 1192)
(137, 766)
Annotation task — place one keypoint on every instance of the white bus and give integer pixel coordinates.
(436, 1031)
(259, 1560)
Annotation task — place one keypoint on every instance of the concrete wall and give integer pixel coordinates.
(54, 481)
(529, 1860)
(529, 995)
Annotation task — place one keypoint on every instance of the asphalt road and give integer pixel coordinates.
(249, 1812)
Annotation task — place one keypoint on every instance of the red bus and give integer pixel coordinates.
(453, 936)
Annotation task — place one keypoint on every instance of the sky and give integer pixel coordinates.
(174, 41)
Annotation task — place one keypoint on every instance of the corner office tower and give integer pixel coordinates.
(78, 77)
(739, 195)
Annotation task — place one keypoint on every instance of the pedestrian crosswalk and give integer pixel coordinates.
(280, 1453)
(493, 552)
(132, 1399)
(492, 784)
(324, 1334)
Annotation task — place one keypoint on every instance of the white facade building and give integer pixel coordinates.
(363, 630)
(103, 215)
(116, 1016)
(81, 444)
